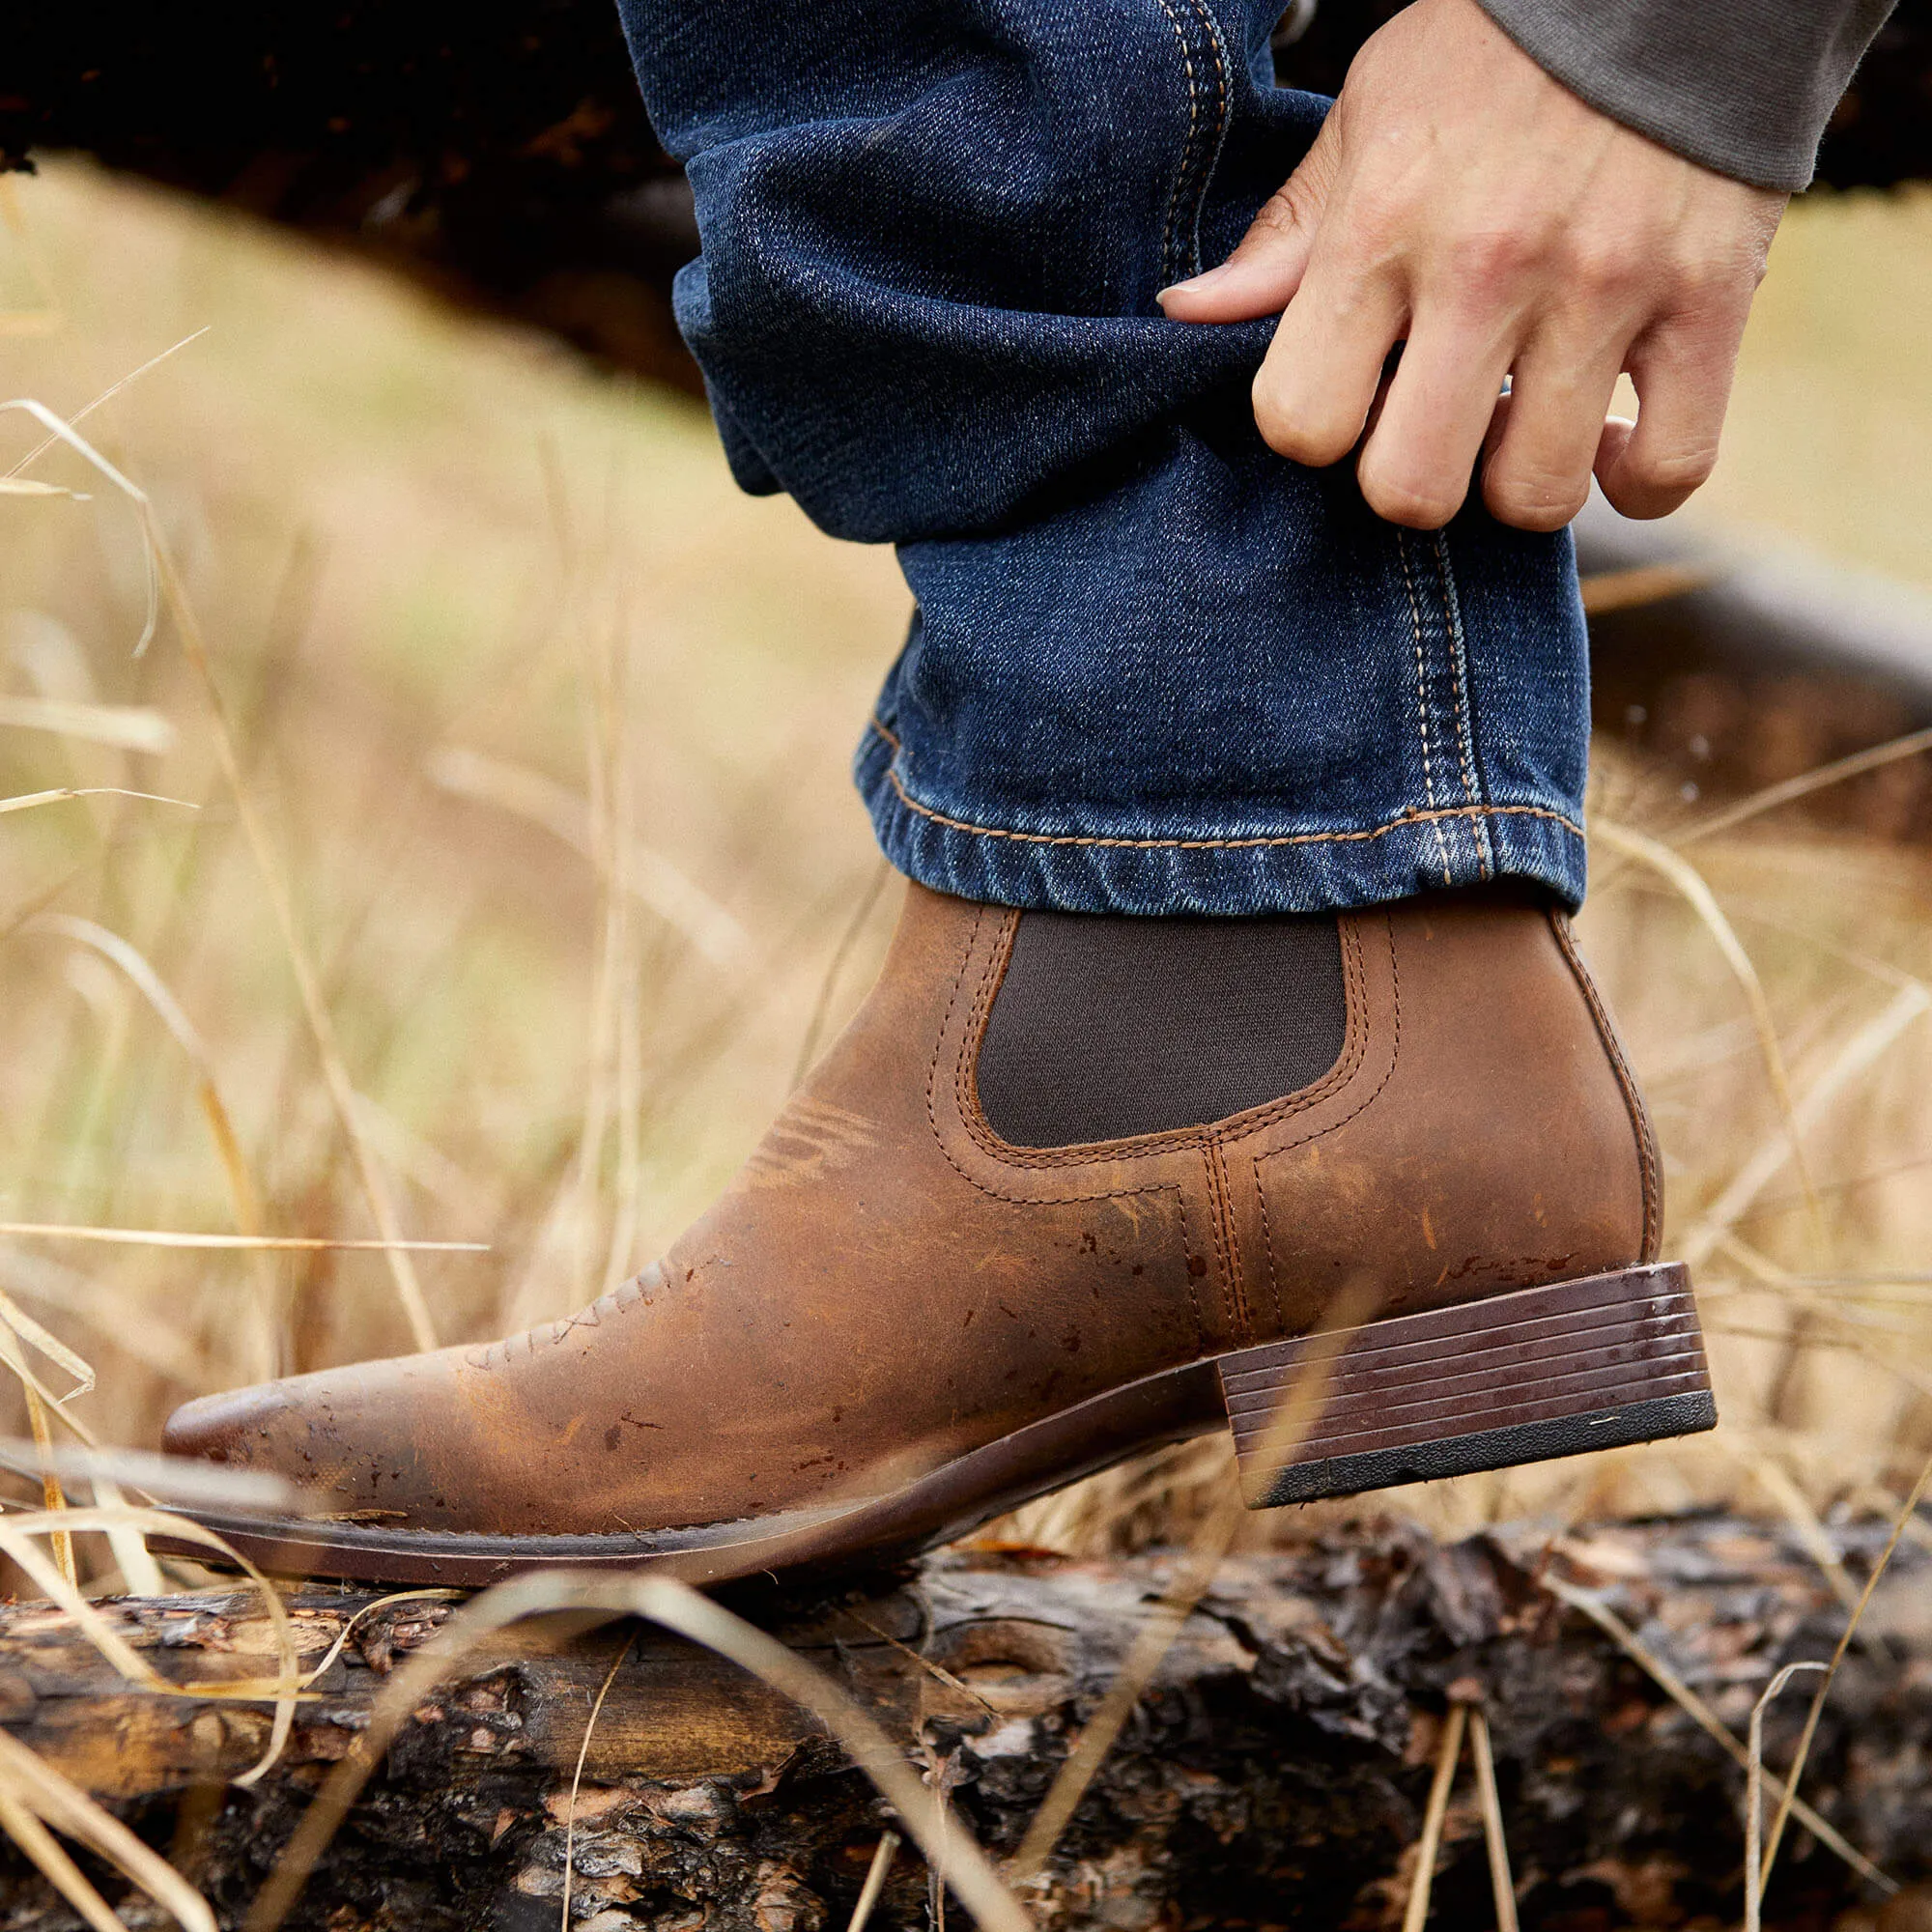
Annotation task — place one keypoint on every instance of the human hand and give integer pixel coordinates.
(1460, 201)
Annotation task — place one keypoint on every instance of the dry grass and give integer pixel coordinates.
(548, 728)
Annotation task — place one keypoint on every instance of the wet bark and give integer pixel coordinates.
(1274, 1774)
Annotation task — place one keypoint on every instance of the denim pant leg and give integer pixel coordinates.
(1155, 668)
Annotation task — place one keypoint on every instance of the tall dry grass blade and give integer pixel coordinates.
(1416, 1914)
(125, 727)
(652, 879)
(1758, 1462)
(16, 1539)
(680, 1608)
(175, 1237)
(1754, 1868)
(107, 395)
(140, 1574)
(24, 486)
(165, 586)
(1788, 1801)
(342, 1637)
(16, 1328)
(27, 801)
(576, 1777)
(59, 1870)
(1502, 1882)
(60, 431)
(1691, 886)
(51, 1494)
(244, 1200)
(1299, 1409)
(875, 1880)
(79, 1297)
(22, 1324)
(1858, 1056)
(814, 1026)
(34, 1783)
(1770, 797)
(1708, 1723)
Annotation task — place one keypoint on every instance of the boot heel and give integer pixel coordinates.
(1537, 1372)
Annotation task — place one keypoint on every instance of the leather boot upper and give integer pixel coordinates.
(886, 1284)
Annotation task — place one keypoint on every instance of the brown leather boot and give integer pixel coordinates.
(898, 1323)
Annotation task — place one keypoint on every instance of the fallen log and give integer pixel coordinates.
(1273, 1775)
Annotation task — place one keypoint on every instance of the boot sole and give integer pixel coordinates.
(1594, 1363)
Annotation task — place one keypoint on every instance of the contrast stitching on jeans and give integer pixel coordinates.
(1422, 698)
(1218, 50)
(1181, 173)
(884, 730)
(1646, 1146)
(1459, 662)
(1401, 824)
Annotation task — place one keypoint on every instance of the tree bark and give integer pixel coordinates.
(1274, 1773)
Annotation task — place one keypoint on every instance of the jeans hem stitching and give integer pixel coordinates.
(1356, 836)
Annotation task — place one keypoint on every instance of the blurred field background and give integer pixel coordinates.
(547, 727)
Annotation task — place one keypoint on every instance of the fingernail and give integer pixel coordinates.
(1192, 284)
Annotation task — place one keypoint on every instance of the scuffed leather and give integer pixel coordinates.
(886, 1284)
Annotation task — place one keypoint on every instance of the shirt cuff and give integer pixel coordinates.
(1743, 87)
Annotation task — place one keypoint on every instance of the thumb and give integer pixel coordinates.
(1262, 273)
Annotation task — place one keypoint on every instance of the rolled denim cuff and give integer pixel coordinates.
(1126, 710)
(1227, 873)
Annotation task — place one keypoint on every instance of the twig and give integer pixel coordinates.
(1501, 1882)
(1755, 1871)
(1416, 1916)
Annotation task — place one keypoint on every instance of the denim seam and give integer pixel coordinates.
(1465, 735)
(1195, 158)
(1401, 824)
(1422, 699)
(1216, 48)
(1180, 174)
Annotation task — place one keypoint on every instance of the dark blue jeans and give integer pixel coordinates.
(1155, 667)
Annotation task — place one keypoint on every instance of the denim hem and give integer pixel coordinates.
(1212, 872)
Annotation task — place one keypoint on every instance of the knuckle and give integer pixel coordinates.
(1489, 260)
(1535, 500)
(1600, 269)
(1379, 218)
(1676, 471)
(1293, 431)
(1417, 507)
(1280, 214)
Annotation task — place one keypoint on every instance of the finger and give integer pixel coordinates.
(1539, 451)
(1415, 464)
(1322, 373)
(1262, 273)
(1683, 377)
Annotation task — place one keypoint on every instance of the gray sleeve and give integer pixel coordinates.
(1744, 86)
